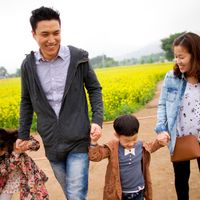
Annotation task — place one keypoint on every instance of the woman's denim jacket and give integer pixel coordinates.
(168, 106)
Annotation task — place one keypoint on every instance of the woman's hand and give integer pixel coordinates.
(163, 138)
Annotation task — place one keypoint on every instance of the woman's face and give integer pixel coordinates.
(182, 58)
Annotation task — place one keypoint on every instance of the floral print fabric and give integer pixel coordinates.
(13, 182)
(189, 116)
(32, 179)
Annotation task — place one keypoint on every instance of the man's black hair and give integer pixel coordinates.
(43, 13)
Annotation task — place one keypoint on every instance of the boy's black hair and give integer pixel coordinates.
(7, 139)
(43, 13)
(127, 125)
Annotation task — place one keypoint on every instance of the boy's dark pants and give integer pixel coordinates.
(136, 196)
(182, 175)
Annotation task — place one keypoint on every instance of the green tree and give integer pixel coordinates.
(3, 72)
(166, 45)
(103, 61)
(18, 72)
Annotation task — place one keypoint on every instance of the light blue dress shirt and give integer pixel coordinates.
(52, 75)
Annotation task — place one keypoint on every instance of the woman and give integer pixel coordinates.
(179, 105)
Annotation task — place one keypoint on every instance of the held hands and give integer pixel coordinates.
(22, 145)
(163, 138)
(95, 133)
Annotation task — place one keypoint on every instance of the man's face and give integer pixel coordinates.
(47, 35)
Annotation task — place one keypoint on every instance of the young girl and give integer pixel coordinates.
(179, 104)
(18, 172)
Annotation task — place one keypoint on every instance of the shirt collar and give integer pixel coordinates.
(62, 53)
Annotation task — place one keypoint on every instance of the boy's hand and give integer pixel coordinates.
(163, 138)
(95, 133)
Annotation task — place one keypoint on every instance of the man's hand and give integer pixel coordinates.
(95, 133)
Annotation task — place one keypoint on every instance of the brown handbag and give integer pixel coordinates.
(186, 148)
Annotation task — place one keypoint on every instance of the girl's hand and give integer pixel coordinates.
(17, 150)
(21, 145)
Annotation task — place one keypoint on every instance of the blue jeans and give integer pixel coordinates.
(133, 196)
(72, 174)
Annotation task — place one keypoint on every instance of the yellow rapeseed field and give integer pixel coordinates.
(125, 89)
(9, 102)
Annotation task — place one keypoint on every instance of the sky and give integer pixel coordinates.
(110, 27)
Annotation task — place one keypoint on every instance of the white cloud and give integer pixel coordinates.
(112, 27)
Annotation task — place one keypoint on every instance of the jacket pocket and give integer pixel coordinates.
(171, 94)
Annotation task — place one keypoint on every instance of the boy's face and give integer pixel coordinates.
(127, 142)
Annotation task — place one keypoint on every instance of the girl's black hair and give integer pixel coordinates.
(7, 139)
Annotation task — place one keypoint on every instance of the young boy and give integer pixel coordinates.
(127, 176)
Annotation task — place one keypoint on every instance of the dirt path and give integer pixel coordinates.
(161, 167)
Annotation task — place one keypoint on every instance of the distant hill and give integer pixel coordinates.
(153, 48)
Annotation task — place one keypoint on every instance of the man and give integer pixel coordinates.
(53, 86)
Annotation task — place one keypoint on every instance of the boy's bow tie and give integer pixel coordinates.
(128, 151)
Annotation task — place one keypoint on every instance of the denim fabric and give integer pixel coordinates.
(72, 174)
(168, 107)
(134, 196)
